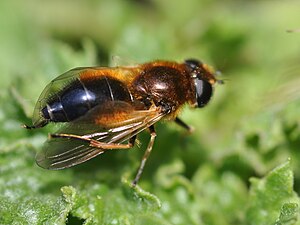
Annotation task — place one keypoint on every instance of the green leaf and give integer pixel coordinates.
(250, 126)
(272, 199)
(288, 214)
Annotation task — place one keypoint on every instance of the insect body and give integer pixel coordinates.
(105, 108)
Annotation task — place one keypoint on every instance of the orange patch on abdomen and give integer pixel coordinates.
(122, 74)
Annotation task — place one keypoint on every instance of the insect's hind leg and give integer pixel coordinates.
(97, 144)
(39, 125)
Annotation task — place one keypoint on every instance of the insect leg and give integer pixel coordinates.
(145, 156)
(39, 125)
(103, 145)
(190, 129)
(96, 144)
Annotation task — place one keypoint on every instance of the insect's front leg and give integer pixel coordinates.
(181, 123)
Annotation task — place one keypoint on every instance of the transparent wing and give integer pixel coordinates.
(116, 122)
(53, 88)
(81, 73)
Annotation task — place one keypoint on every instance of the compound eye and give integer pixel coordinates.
(204, 92)
(193, 63)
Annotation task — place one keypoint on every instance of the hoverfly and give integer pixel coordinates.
(105, 108)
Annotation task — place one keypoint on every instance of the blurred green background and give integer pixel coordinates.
(240, 166)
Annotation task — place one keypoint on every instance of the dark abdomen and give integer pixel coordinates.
(80, 96)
